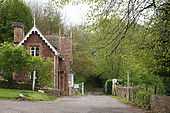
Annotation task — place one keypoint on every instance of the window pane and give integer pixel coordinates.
(37, 51)
(32, 53)
(32, 48)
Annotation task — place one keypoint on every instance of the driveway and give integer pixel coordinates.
(84, 104)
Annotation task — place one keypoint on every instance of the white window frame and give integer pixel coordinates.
(34, 50)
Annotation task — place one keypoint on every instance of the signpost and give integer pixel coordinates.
(76, 86)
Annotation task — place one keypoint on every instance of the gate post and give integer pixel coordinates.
(82, 88)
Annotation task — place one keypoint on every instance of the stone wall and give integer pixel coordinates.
(160, 104)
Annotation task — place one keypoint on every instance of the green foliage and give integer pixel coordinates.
(162, 46)
(143, 52)
(157, 42)
(143, 98)
(43, 70)
(134, 56)
(15, 59)
(13, 11)
(84, 65)
(90, 62)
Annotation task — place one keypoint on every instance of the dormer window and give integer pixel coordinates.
(35, 51)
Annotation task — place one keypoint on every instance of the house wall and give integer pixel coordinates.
(65, 47)
(59, 68)
(45, 52)
(63, 78)
(34, 40)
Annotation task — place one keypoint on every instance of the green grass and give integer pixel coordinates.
(123, 100)
(29, 95)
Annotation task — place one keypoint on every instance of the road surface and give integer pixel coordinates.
(84, 104)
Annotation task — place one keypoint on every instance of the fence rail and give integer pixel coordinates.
(136, 95)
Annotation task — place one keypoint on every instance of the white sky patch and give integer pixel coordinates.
(72, 14)
(36, 2)
(75, 14)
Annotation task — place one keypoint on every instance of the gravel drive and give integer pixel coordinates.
(84, 104)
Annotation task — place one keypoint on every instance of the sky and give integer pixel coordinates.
(72, 14)
(75, 14)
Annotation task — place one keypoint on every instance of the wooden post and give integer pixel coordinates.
(128, 85)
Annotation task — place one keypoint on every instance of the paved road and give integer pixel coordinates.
(86, 104)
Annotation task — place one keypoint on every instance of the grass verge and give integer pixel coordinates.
(29, 95)
(123, 100)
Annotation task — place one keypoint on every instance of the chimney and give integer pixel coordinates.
(18, 32)
(65, 47)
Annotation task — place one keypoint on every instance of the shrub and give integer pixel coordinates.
(15, 59)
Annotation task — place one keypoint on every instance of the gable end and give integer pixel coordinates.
(35, 30)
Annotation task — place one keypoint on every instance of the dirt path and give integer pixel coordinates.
(85, 104)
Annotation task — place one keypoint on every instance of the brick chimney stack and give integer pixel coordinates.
(18, 32)
(65, 47)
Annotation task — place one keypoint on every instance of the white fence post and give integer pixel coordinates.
(82, 88)
(33, 81)
(114, 81)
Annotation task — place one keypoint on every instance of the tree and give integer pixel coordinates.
(16, 59)
(43, 70)
(162, 44)
(155, 41)
(130, 12)
(134, 55)
(162, 49)
(83, 63)
(13, 60)
(48, 18)
(13, 11)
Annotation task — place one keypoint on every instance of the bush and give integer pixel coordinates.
(14, 59)
(43, 70)
(143, 98)
(15, 85)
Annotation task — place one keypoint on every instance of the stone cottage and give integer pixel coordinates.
(57, 48)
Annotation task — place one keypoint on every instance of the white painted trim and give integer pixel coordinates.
(54, 71)
(43, 38)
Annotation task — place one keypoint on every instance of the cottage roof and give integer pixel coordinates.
(50, 42)
(53, 39)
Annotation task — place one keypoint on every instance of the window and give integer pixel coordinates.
(35, 51)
